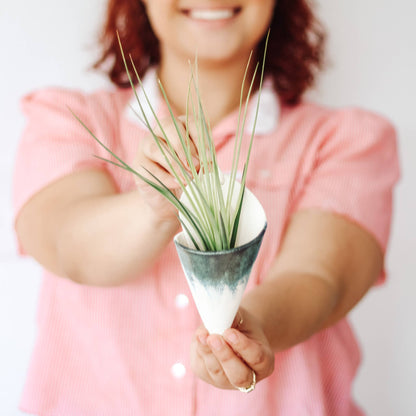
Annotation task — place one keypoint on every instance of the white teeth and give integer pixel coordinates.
(218, 14)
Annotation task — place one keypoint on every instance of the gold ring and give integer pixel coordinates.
(250, 387)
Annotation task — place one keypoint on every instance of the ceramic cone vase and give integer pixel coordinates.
(217, 279)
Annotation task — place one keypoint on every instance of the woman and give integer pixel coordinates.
(115, 320)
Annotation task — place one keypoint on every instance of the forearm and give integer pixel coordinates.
(107, 240)
(292, 307)
(314, 282)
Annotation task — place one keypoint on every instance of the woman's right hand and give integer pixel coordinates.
(149, 158)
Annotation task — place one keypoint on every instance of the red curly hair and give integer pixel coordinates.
(295, 50)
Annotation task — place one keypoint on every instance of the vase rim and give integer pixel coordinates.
(219, 252)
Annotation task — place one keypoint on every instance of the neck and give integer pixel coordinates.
(219, 85)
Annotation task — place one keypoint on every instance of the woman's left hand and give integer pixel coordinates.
(228, 361)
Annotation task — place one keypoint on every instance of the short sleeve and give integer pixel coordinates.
(355, 170)
(53, 143)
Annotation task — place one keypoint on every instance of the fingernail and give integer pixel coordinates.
(215, 343)
(202, 339)
(232, 337)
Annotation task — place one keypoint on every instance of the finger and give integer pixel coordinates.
(191, 134)
(181, 145)
(201, 334)
(213, 367)
(149, 168)
(257, 356)
(160, 154)
(238, 373)
(197, 361)
(200, 141)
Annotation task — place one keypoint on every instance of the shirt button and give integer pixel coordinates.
(265, 174)
(181, 301)
(178, 370)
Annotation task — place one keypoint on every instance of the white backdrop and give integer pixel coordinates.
(372, 64)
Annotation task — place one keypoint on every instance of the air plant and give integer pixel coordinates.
(211, 203)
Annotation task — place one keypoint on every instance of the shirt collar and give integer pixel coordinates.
(150, 96)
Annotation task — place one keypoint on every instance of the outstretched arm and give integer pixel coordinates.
(325, 265)
(80, 227)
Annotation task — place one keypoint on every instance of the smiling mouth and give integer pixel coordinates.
(211, 14)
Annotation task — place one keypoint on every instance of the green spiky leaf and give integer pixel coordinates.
(208, 218)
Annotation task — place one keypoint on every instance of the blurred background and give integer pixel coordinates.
(372, 64)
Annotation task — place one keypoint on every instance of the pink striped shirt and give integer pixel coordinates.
(125, 350)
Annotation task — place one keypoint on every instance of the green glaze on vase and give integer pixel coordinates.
(217, 279)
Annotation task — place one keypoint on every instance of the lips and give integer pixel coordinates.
(212, 14)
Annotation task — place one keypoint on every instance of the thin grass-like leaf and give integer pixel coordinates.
(209, 220)
(189, 233)
(199, 201)
(165, 191)
(236, 221)
(243, 180)
(182, 208)
(238, 136)
(172, 152)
